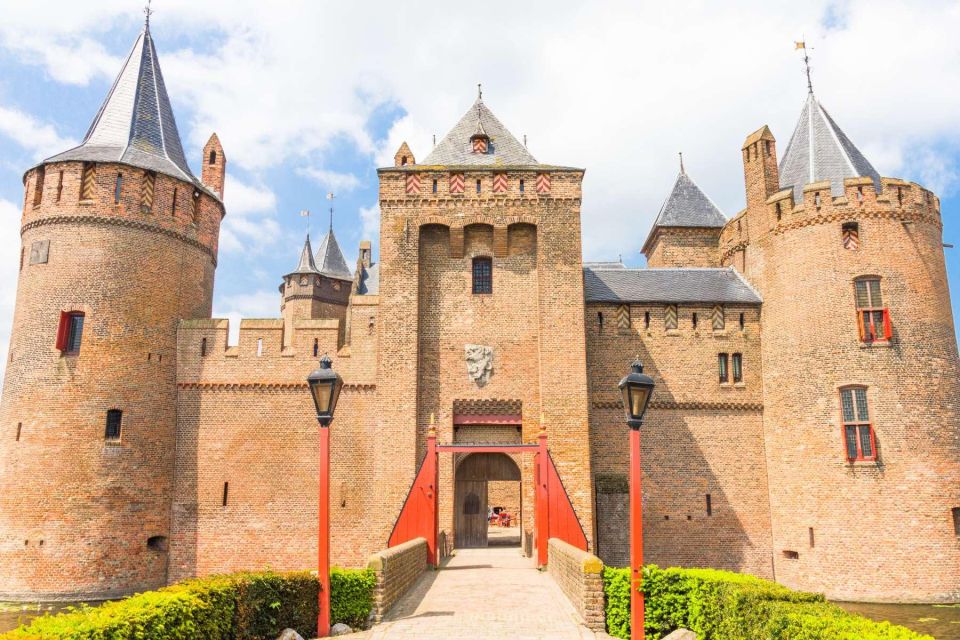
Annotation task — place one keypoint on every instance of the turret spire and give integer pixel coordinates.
(802, 44)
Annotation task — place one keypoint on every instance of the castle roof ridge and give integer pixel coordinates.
(456, 149)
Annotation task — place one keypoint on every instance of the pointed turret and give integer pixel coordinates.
(818, 151)
(214, 168)
(479, 129)
(687, 214)
(135, 125)
(404, 156)
(306, 264)
(330, 261)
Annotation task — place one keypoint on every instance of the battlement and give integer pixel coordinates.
(120, 194)
(478, 184)
(897, 199)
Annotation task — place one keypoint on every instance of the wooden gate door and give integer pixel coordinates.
(470, 528)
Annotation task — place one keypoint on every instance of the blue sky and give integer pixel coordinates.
(311, 97)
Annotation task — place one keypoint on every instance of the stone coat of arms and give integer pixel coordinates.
(479, 363)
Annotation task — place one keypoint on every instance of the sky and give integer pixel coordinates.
(310, 97)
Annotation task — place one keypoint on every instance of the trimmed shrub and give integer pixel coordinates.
(242, 606)
(720, 605)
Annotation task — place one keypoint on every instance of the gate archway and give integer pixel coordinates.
(472, 494)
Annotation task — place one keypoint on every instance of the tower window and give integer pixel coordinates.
(600, 319)
(213, 157)
(521, 185)
(203, 347)
(316, 347)
(743, 322)
(118, 189)
(157, 543)
(259, 347)
(59, 186)
(873, 318)
(87, 181)
(812, 539)
(737, 361)
(434, 186)
(723, 362)
(19, 430)
(403, 161)
(858, 437)
(693, 319)
(173, 203)
(195, 205)
(646, 319)
(478, 185)
(956, 520)
(226, 492)
(114, 424)
(482, 274)
(70, 332)
(38, 187)
(779, 212)
(850, 233)
(709, 505)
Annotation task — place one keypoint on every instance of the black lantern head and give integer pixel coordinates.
(325, 387)
(636, 387)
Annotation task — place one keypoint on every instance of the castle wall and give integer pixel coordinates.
(247, 421)
(77, 511)
(699, 437)
(878, 530)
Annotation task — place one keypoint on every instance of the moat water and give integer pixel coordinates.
(940, 621)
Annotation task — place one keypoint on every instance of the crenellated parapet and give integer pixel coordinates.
(121, 195)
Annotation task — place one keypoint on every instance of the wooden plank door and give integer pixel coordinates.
(470, 528)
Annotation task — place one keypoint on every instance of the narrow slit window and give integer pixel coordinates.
(316, 347)
(737, 361)
(858, 437)
(203, 347)
(646, 319)
(478, 185)
(600, 319)
(19, 430)
(955, 512)
(693, 319)
(434, 186)
(173, 203)
(521, 185)
(812, 540)
(259, 347)
(723, 364)
(482, 275)
(226, 492)
(118, 189)
(743, 321)
(60, 186)
(709, 505)
(114, 425)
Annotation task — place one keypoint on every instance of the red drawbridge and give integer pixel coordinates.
(554, 516)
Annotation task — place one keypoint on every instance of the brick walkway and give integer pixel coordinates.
(483, 593)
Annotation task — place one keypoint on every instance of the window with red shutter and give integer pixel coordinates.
(70, 332)
(873, 319)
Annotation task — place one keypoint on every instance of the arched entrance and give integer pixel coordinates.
(480, 477)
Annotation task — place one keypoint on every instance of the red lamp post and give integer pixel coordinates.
(325, 387)
(636, 387)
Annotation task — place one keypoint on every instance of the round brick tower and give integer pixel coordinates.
(860, 366)
(119, 243)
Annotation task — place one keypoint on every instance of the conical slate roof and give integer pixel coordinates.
(456, 148)
(687, 206)
(135, 124)
(306, 264)
(330, 261)
(819, 150)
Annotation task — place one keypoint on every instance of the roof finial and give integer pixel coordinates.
(147, 11)
(802, 44)
(524, 141)
(681, 163)
(330, 197)
(479, 91)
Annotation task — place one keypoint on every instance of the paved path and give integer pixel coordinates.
(480, 594)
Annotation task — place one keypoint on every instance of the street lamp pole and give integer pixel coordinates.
(636, 389)
(325, 387)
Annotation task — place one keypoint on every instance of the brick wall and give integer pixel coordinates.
(397, 570)
(579, 575)
(683, 247)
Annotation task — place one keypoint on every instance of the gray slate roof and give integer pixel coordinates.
(688, 206)
(667, 286)
(456, 149)
(819, 150)
(330, 261)
(135, 125)
(369, 284)
(307, 263)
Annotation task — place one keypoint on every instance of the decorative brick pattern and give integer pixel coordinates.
(579, 575)
(397, 569)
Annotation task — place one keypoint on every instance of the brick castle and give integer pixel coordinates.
(804, 427)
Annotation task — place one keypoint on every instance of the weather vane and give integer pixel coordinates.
(147, 11)
(306, 214)
(802, 44)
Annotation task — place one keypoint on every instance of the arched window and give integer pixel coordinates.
(213, 157)
(482, 275)
(872, 317)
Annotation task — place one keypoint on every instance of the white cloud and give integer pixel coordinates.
(259, 304)
(40, 139)
(370, 223)
(9, 268)
(332, 180)
(250, 224)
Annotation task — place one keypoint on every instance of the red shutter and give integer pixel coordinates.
(863, 328)
(63, 330)
(887, 330)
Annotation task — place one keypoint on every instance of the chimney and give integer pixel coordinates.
(365, 253)
(760, 174)
(214, 165)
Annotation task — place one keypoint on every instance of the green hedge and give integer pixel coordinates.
(242, 606)
(719, 605)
